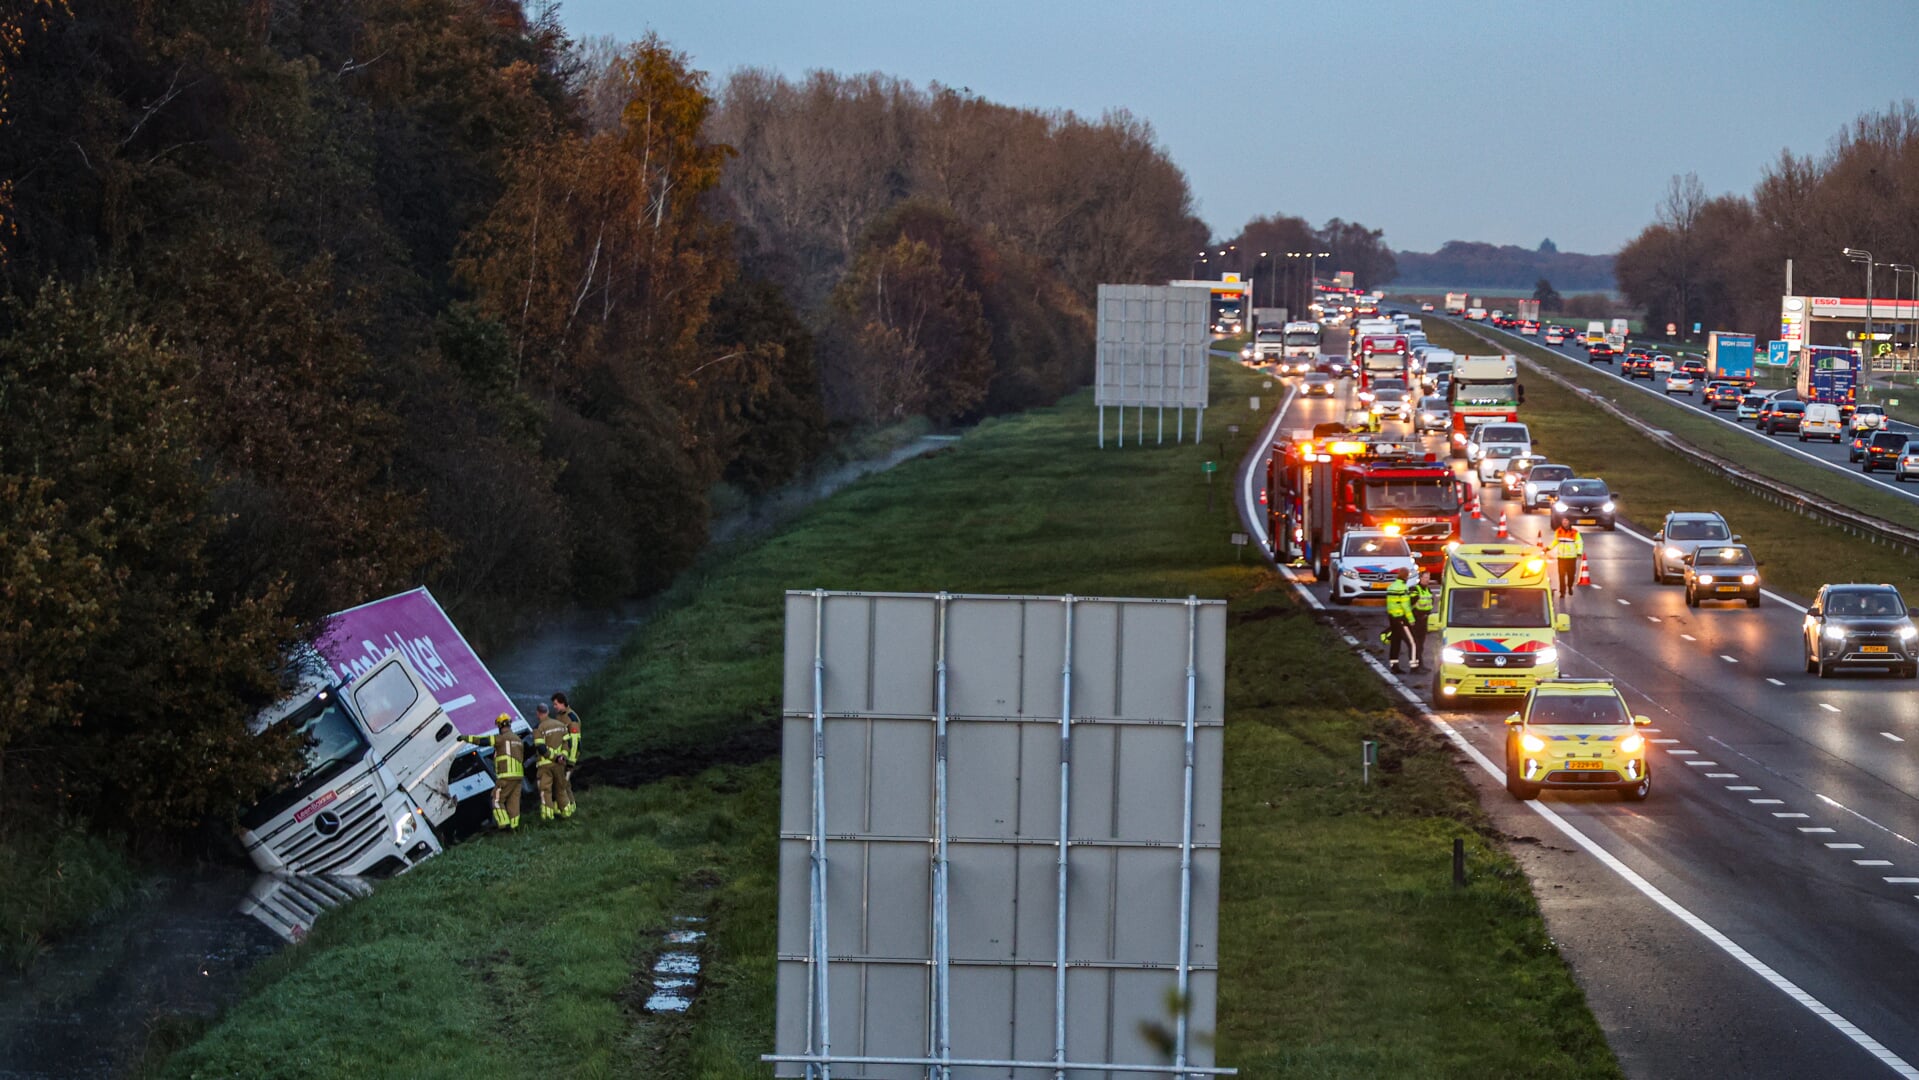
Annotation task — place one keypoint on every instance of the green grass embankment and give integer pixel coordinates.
(1796, 554)
(1348, 953)
(59, 877)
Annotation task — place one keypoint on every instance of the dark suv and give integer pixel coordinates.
(1860, 626)
(1600, 353)
(1782, 416)
(1882, 450)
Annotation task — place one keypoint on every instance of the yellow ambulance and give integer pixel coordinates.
(1495, 623)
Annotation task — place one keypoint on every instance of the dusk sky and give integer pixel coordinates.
(1502, 122)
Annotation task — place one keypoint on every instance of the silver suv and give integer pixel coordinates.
(1680, 536)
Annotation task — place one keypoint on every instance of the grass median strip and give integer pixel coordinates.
(1347, 952)
(1796, 554)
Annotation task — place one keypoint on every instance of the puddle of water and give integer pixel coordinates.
(677, 963)
(684, 937)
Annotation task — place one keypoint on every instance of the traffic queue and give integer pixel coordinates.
(1367, 507)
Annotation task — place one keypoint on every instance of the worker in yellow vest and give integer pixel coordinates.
(1568, 546)
(549, 740)
(1422, 597)
(1399, 621)
(509, 770)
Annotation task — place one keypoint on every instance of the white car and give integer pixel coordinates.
(1367, 562)
(1907, 465)
(1661, 364)
(1427, 306)
(1542, 486)
(1868, 418)
(1681, 382)
(1494, 444)
(1435, 414)
(1390, 402)
(1750, 405)
(1821, 421)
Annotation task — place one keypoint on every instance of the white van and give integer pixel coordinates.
(1494, 444)
(1821, 422)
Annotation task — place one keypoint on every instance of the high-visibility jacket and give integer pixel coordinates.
(509, 754)
(1422, 599)
(550, 739)
(573, 738)
(1399, 600)
(1568, 544)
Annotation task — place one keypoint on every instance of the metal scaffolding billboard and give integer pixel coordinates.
(1151, 353)
(937, 748)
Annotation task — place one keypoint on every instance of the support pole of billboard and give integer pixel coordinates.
(1065, 810)
(1186, 839)
(942, 1037)
(1102, 427)
(1199, 424)
(819, 1036)
(1161, 441)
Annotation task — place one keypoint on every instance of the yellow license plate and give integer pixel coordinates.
(1502, 683)
(1589, 521)
(1376, 585)
(1585, 764)
(1728, 588)
(1872, 648)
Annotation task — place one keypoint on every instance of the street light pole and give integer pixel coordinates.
(1897, 270)
(1862, 255)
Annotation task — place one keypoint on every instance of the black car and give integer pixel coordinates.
(1860, 626)
(1584, 502)
(1600, 353)
(1882, 450)
(1721, 572)
(1782, 416)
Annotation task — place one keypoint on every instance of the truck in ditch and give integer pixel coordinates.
(379, 703)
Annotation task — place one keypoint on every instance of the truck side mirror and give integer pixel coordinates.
(1642, 721)
(1563, 623)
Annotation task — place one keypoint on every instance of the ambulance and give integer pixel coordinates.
(1494, 623)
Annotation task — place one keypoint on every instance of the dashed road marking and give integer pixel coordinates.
(1891, 736)
(1827, 707)
(1767, 802)
(1742, 787)
(1815, 829)
(1902, 881)
(1789, 814)
(1665, 740)
(1845, 847)
(1654, 618)
(1775, 682)
(1689, 637)
(1872, 862)
(1722, 776)
(1703, 764)
(1727, 659)
(1624, 601)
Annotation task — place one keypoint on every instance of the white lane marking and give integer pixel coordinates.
(1742, 787)
(1814, 829)
(1842, 806)
(1727, 659)
(1624, 601)
(1844, 847)
(1872, 862)
(1612, 862)
(1902, 881)
(1663, 740)
(1722, 776)
(1794, 814)
(1891, 736)
(1703, 764)
(1775, 682)
(1689, 637)
(1827, 707)
(1681, 753)
(1767, 802)
(1654, 618)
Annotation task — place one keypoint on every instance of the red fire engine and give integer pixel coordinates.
(1320, 483)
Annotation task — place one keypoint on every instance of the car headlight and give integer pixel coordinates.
(1532, 489)
(1835, 633)
(1632, 744)
(1349, 572)
(1547, 655)
(1705, 579)
(1906, 633)
(1451, 655)
(1607, 506)
(1533, 743)
(1674, 553)
(1459, 437)
(1560, 506)
(1748, 579)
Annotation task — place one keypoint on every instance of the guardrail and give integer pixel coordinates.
(1797, 499)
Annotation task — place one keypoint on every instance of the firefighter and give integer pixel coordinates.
(571, 719)
(549, 740)
(509, 770)
(1399, 620)
(1422, 596)
(1568, 546)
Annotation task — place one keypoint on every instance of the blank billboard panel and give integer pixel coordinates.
(940, 914)
(1152, 342)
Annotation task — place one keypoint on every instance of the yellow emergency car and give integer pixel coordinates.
(1495, 622)
(1576, 733)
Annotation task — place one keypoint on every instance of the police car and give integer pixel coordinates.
(1367, 562)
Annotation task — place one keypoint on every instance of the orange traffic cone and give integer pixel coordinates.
(1475, 508)
(1502, 534)
(1585, 572)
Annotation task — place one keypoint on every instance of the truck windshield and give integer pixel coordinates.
(1302, 337)
(1485, 393)
(1434, 496)
(1496, 609)
(329, 742)
(1274, 335)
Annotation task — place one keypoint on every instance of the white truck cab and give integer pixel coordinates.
(379, 778)
(1496, 443)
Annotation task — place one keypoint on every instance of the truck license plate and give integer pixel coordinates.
(1585, 764)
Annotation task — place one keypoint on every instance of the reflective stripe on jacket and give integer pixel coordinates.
(1399, 601)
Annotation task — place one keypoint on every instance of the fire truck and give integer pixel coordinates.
(1320, 483)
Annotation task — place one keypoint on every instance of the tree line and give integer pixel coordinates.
(304, 304)
(1720, 261)
(1466, 264)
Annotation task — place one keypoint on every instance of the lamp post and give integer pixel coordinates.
(1864, 256)
(1197, 260)
(1272, 289)
(1897, 270)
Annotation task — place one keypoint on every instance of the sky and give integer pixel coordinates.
(1504, 122)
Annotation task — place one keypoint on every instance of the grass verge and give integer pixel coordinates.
(1349, 951)
(1700, 431)
(1796, 554)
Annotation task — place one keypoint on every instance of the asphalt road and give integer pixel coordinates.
(1758, 916)
(1826, 454)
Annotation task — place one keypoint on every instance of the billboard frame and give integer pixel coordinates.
(1118, 350)
(1203, 620)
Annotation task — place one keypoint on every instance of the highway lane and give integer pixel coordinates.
(1826, 454)
(1748, 727)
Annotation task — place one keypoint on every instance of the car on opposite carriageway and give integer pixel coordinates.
(1682, 533)
(1584, 501)
(1721, 572)
(1859, 625)
(1577, 733)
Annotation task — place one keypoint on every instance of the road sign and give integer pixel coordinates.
(1253, 404)
(1778, 354)
(1695, 328)
(1209, 466)
(1239, 539)
(1671, 329)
